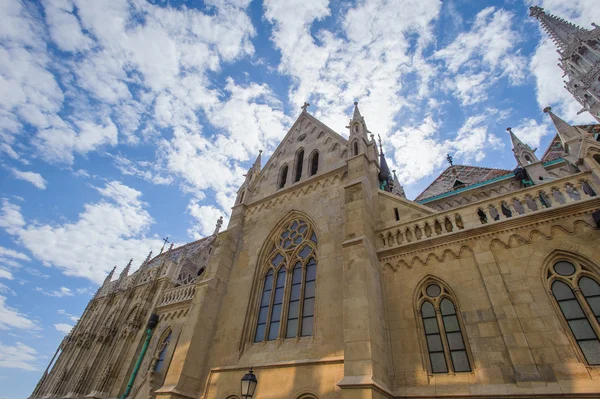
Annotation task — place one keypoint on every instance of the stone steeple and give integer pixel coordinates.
(579, 51)
(523, 153)
(358, 137)
(397, 187)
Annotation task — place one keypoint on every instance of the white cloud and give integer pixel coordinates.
(420, 150)
(481, 55)
(34, 178)
(106, 233)
(63, 327)
(365, 61)
(13, 254)
(68, 315)
(61, 292)
(13, 319)
(19, 356)
(5, 274)
(206, 217)
(531, 132)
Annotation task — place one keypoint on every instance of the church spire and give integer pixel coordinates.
(397, 187)
(523, 153)
(562, 33)
(579, 51)
(565, 131)
(356, 116)
(125, 271)
(384, 169)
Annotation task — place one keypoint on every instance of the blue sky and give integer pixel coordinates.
(125, 122)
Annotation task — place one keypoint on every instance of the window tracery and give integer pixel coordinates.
(286, 306)
(164, 345)
(444, 339)
(576, 293)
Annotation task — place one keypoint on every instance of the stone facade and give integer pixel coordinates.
(490, 245)
(329, 283)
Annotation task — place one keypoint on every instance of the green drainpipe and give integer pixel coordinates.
(150, 328)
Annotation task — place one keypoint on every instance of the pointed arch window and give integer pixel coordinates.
(442, 327)
(576, 292)
(355, 147)
(314, 163)
(299, 162)
(282, 176)
(164, 345)
(287, 304)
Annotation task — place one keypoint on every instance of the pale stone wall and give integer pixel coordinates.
(518, 343)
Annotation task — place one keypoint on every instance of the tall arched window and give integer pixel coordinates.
(299, 162)
(164, 345)
(289, 312)
(577, 294)
(282, 176)
(444, 339)
(314, 163)
(355, 148)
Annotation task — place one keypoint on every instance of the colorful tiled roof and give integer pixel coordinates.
(468, 175)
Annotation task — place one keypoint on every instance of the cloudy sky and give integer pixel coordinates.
(122, 122)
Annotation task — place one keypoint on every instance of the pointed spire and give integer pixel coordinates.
(356, 116)
(257, 162)
(219, 224)
(523, 153)
(147, 258)
(397, 187)
(565, 131)
(109, 276)
(125, 271)
(515, 140)
(384, 169)
(561, 32)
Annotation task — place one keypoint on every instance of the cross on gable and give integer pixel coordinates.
(306, 105)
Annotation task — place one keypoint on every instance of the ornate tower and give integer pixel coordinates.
(358, 139)
(579, 51)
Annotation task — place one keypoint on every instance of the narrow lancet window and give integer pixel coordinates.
(314, 163)
(355, 147)
(282, 176)
(443, 335)
(299, 162)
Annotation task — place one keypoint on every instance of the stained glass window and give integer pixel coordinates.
(289, 312)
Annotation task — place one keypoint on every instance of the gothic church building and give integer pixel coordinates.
(330, 284)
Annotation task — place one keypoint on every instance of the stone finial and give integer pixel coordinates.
(125, 271)
(218, 226)
(304, 106)
(547, 109)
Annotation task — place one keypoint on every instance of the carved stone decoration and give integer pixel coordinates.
(104, 376)
(80, 384)
(60, 382)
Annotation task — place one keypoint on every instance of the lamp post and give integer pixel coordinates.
(249, 383)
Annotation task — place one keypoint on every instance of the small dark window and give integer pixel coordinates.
(355, 147)
(299, 162)
(528, 159)
(282, 176)
(397, 213)
(241, 197)
(597, 156)
(314, 163)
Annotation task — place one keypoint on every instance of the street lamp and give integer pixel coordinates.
(249, 383)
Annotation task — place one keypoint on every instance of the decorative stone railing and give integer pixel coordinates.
(177, 295)
(557, 193)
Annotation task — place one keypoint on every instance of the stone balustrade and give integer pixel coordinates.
(177, 295)
(555, 193)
